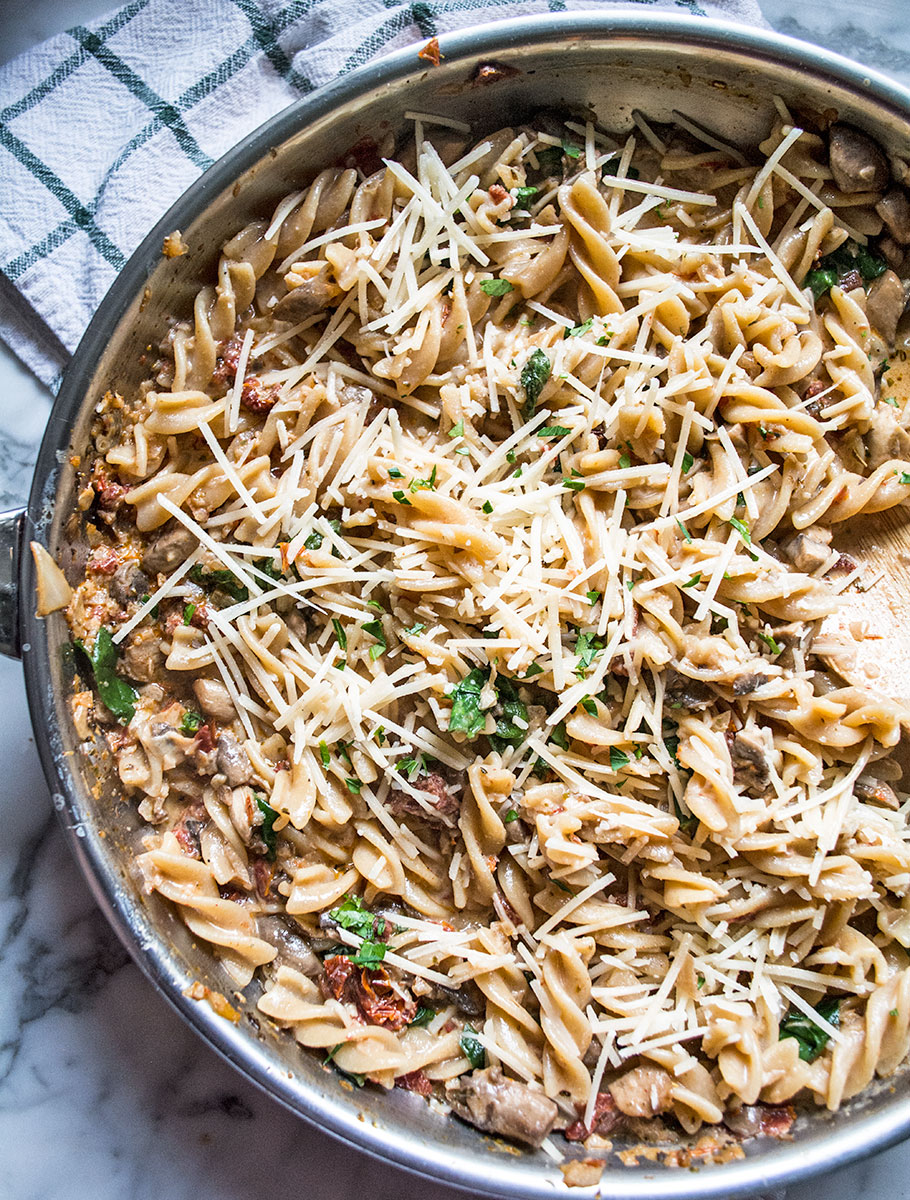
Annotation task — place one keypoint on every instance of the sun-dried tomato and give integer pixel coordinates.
(377, 1000)
(363, 156)
(604, 1119)
(338, 978)
(204, 741)
(498, 193)
(228, 361)
(187, 834)
(437, 795)
(262, 873)
(110, 493)
(104, 559)
(777, 1120)
(257, 398)
(415, 1081)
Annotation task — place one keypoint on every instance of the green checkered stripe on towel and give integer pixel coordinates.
(103, 127)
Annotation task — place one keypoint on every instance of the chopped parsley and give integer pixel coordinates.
(324, 754)
(574, 485)
(487, 507)
(524, 195)
(510, 816)
(423, 1016)
(589, 705)
(354, 785)
(769, 642)
(374, 628)
(592, 597)
(423, 485)
(904, 477)
(624, 461)
(579, 330)
(683, 530)
(553, 431)
(570, 149)
(192, 722)
(369, 955)
(412, 767)
(395, 473)
(533, 669)
(340, 636)
(496, 287)
(687, 461)
(742, 529)
(457, 430)
(696, 578)
(189, 611)
(354, 915)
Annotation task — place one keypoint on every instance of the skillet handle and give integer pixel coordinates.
(11, 524)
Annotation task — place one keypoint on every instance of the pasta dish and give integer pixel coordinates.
(460, 613)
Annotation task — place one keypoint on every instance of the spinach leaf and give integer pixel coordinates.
(812, 1039)
(466, 715)
(267, 828)
(512, 722)
(116, 694)
(618, 759)
(850, 256)
(423, 1016)
(534, 374)
(587, 647)
(471, 1047)
(220, 580)
(549, 159)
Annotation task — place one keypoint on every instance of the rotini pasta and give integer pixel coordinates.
(453, 615)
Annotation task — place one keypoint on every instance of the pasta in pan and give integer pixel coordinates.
(458, 613)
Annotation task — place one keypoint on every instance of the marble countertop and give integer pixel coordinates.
(104, 1093)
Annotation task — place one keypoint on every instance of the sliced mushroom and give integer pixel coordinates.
(806, 553)
(214, 699)
(496, 1104)
(683, 692)
(312, 296)
(128, 583)
(751, 768)
(643, 1092)
(232, 760)
(168, 550)
(894, 210)
(142, 657)
(857, 162)
(885, 303)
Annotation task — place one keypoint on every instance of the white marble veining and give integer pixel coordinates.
(104, 1093)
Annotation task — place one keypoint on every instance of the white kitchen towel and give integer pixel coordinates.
(103, 127)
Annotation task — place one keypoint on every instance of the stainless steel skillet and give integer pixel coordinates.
(721, 75)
